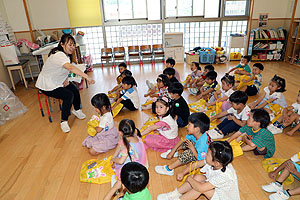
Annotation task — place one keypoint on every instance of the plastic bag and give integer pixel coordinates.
(9, 55)
(10, 105)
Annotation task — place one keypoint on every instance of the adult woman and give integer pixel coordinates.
(53, 80)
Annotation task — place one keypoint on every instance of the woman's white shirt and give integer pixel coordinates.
(53, 73)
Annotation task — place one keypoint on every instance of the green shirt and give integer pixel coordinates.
(246, 67)
(142, 195)
(262, 138)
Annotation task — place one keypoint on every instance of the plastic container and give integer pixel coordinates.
(235, 56)
(207, 55)
(262, 56)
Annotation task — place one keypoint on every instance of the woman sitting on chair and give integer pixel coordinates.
(53, 80)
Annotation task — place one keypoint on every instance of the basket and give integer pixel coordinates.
(207, 56)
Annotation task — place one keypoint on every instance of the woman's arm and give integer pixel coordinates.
(149, 129)
(77, 71)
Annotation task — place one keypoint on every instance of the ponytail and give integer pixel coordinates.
(222, 153)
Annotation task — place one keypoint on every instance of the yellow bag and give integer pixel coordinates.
(96, 171)
(151, 121)
(188, 77)
(242, 84)
(276, 109)
(92, 124)
(149, 101)
(194, 172)
(270, 164)
(198, 106)
(117, 109)
(236, 147)
(112, 95)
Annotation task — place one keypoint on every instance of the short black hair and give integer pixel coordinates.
(239, 97)
(126, 72)
(129, 80)
(280, 83)
(261, 116)
(209, 67)
(169, 71)
(248, 58)
(197, 65)
(228, 79)
(171, 61)
(122, 64)
(134, 176)
(212, 75)
(259, 66)
(176, 88)
(200, 120)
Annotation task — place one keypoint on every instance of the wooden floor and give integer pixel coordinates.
(38, 161)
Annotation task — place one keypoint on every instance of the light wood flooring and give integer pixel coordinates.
(39, 162)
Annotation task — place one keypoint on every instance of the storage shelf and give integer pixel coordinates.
(280, 39)
(264, 49)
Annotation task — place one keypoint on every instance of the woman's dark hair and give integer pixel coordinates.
(197, 65)
(63, 40)
(127, 127)
(239, 97)
(200, 120)
(126, 72)
(221, 152)
(164, 79)
(176, 88)
(228, 79)
(261, 116)
(212, 75)
(122, 64)
(129, 80)
(280, 82)
(259, 66)
(168, 102)
(209, 67)
(101, 100)
(171, 61)
(169, 71)
(134, 176)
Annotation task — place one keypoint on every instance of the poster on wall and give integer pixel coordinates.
(263, 19)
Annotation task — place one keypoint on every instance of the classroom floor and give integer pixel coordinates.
(38, 161)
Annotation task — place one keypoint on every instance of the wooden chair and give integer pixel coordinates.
(119, 54)
(146, 53)
(106, 54)
(158, 52)
(134, 53)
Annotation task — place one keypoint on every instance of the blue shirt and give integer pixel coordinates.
(201, 145)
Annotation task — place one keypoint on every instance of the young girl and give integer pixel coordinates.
(191, 78)
(130, 149)
(271, 95)
(219, 182)
(167, 126)
(224, 93)
(107, 135)
(129, 96)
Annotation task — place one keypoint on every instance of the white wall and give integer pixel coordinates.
(297, 14)
(275, 8)
(16, 15)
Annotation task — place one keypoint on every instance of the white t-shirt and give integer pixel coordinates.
(243, 115)
(131, 94)
(278, 96)
(53, 73)
(296, 157)
(227, 93)
(106, 121)
(226, 183)
(171, 133)
(296, 107)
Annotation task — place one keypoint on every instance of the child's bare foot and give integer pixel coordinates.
(289, 133)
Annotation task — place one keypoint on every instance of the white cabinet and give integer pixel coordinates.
(177, 53)
(173, 39)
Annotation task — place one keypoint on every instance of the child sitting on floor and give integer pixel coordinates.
(201, 80)
(167, 126)
(118, 88)
(255, 134)
(224, 94)
(195, 145)
(191, 78)
(219, 181)
(181, 108)
(237, 116)
(170, 72)
(129, 96)
(170, 62)
(122, 66)
(285, 169)
(290, 116)
(241, 69)
(210, 86)
(106, 137)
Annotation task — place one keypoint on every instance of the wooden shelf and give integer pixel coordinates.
(264, 49)
(272, 39)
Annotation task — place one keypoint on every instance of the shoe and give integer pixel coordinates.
(150, 85)
(113, 180)
(214, 134)
(277, 130)
(164, 155)
(163, 170)
(65, 127)
(272, 116)
(271, 127)
(79, 114)
(272, 187)
(174, 195)
(279, 196)
(193, 91)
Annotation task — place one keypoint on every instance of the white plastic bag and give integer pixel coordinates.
(10, 105)
(9, 55)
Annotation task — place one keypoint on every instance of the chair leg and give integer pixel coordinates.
(60, 107)
(41, 108)
(49, 115)
(50, 106)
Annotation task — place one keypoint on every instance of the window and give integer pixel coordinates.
(131, 9)
(181, 8)
(235, 7)
(211, 8)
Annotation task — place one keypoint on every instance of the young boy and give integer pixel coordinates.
(134, 179)
(288, 167)
(201, 80)
(170, 62)
(196, 145)
(181, 108)
(255, 134)
(118, 88)
(237, 117)
(122, 66)
(255, 79)
(242, 68)
(290, 116)
(170, 72)
(210, 86)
